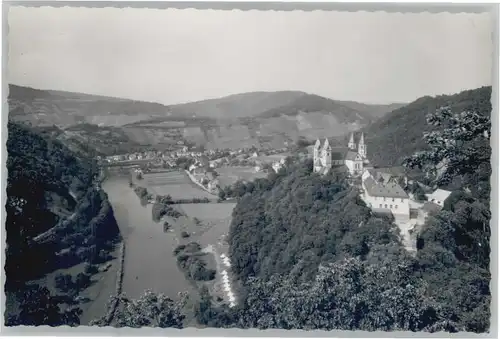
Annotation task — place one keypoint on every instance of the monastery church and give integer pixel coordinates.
(353, 156)
(380, 187)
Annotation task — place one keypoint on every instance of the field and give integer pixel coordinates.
(176, 184)
(229, 175)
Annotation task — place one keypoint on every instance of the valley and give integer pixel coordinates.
(164, 203)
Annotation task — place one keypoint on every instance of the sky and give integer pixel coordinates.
(180, 55)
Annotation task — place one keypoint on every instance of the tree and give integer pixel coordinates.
(348, 295)
(151, 310)
(91, 269)
(38, 307)
(458, 145)
(82, 281)
(64, 282)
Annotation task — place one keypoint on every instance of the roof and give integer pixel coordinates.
(388, 190)
(351, 155)
(339, 153)
(395, 171)
(385, 174)
(439, 195)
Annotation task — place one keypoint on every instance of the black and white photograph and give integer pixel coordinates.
(191, 168)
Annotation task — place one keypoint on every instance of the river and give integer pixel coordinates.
(149, 261)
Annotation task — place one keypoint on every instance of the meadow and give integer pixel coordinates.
(230, 174)
(175, 183)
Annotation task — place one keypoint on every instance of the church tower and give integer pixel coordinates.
(351, 144)
(326, 154)
(362, 146)
(316, 156)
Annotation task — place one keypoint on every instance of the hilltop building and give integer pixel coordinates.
(353, 156)
(382, 192)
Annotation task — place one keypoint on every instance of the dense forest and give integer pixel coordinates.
(57, 216)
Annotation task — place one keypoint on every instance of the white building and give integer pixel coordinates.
(383, 193)
(438, 196)
(278, 165)
(353, 156)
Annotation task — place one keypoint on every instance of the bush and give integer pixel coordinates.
(64, 282)
(91, 269)
(185, 234)
(82, 281)
(179, 248)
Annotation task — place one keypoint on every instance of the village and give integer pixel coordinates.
(201, 166)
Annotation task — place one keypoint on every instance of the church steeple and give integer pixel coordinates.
(362, 146)
(326, 145)
(351, 144)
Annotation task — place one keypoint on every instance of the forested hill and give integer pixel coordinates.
(298, 220)
(307, 254)
(51, 191)
(399, 133)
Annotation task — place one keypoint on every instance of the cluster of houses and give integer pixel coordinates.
(166, 156)
(205, 177)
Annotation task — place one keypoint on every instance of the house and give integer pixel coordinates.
(353, 156)
(278, 165)
(385, 195)
(212, 185)
(132, 157)
(438, 197)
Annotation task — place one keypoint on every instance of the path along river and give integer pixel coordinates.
(149, 261)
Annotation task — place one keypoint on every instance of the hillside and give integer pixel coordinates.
(297, 267)
(47, 108)
(236, 105)
(271, 104)
(56, 216)
(399, 133)
(113, 125)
